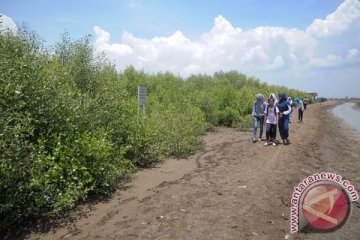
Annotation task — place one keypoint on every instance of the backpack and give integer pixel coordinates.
(267, 109)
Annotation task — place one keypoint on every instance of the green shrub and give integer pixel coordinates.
(69, 125)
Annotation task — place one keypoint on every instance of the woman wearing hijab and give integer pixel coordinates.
(273, 96)
(276, 102)
(301, 108)
(290, 101)
(285, 110)
(258, 114)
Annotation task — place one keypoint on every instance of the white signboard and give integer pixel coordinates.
(142, 94)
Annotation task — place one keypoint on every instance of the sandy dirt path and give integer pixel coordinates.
(232, 189)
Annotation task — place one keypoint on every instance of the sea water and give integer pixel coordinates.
(347, 112)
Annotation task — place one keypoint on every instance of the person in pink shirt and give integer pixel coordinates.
(271, 121)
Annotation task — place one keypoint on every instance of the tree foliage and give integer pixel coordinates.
(69, 125)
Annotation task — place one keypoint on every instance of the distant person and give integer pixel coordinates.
(318, 100)
(301, 108)
(292, 108)
(271, 121)
(258, 115)
(285, 110)
(305, 101)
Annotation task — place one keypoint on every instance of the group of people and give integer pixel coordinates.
(275, 113)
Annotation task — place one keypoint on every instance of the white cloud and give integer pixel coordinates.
(255, 53)
(336, 22)
(269, 52)
(102, 44)
(353, 54)
(191, 69)
(328, 61)
(6, 23)
(223, 29)
(278, 62)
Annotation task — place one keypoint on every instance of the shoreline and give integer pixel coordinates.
(348, 115)
(357, 106)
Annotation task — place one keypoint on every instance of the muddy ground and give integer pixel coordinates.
(232, 189)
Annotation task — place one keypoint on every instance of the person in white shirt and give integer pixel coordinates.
(271, 121)
(290, 101)
(276, 102)
(301, 108)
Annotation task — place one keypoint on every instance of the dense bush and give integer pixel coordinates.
(69, 124)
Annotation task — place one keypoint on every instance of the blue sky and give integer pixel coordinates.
(157, 18)
(279, 42)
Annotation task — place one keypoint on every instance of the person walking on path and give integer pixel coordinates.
(271, 120)
(301, 108)
(258, 115)
(276, 102)
(305, 101)
(292, 108)
(285, 110)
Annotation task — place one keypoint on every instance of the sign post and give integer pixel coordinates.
(142, 94)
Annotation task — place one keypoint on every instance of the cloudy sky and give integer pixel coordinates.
(312, 45)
